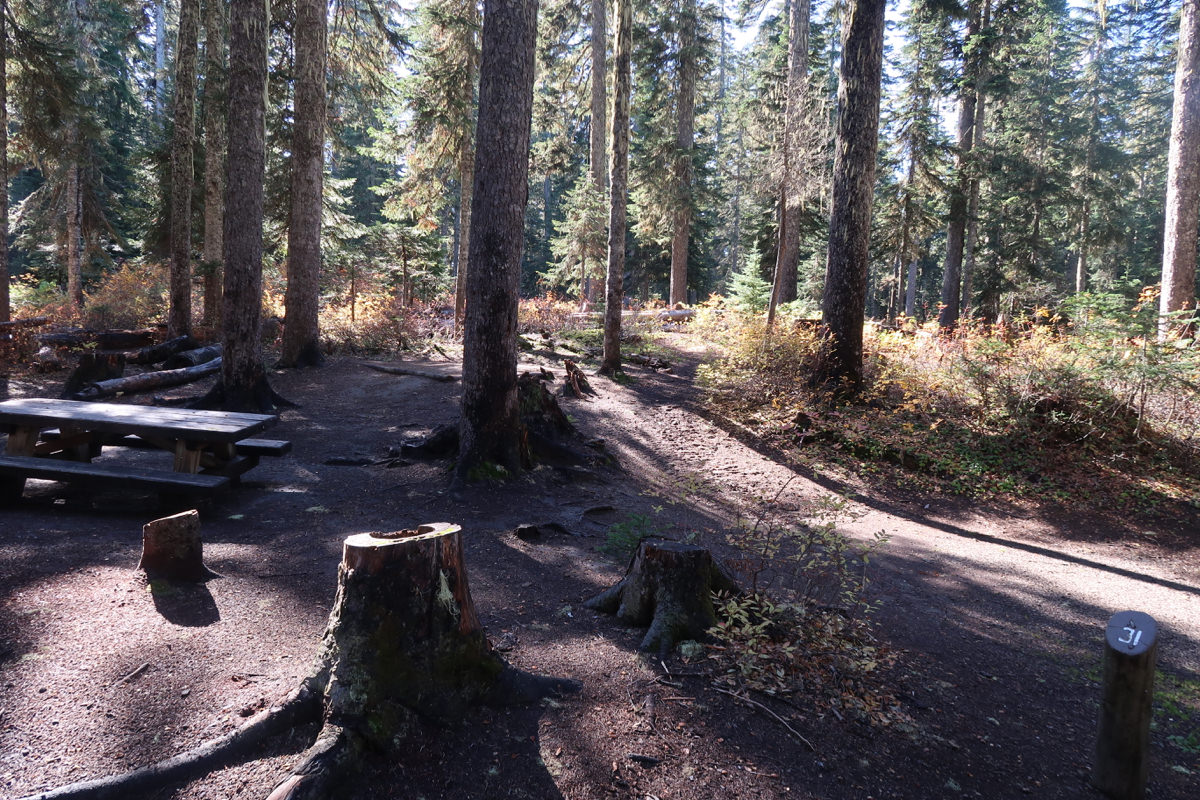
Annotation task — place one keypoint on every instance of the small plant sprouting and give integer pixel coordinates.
(623, 538)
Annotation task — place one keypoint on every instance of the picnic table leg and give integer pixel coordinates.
(20, 443)
(85, 450)
(187, 459)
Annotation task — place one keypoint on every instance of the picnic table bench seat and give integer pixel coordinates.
(56, 469)
(249, 447)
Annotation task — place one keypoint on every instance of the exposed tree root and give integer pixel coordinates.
(301, 707)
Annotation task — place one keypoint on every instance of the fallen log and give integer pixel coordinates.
(28, 322)
(192, 358)
(160, 352)
(676, 314)
(653, 362)
(104, 340)
(147, 381)
(416, 373)
(667, 587)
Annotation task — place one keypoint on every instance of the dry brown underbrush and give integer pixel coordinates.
(1070, 416)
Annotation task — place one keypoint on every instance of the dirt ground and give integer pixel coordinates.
(997, 616)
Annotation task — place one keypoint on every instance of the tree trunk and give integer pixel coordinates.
(686, 102)
(843, 302)
(5, 302)
(74, 201)
(957, 222)
(159, 81)
(215, 107)
(179, 313)
(490, 425)
(1183, 176)
(619, 189)
(301, 345)
(667, 587)
(910, 291)
(971, 242)
(598, 147)
(1081, 259)
(788, 249)
(243, 384)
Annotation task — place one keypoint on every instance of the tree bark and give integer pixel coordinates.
(684, 141)
(215, 107)
(1183, 176)
(159, 81)
(667, 587)
(619, 189)
(74, 201)
(5, 301)
(466, 180)
(179, 312)
(788, 250)
(243, 384)
(301, 345)
(490, 424)
(843, 301)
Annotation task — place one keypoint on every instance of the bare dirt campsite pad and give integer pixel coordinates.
(990, 621)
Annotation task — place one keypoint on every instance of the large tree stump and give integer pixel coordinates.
(668, 587)
(403, 642)
(172, 549)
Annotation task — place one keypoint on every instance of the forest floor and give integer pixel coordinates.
(993, 616)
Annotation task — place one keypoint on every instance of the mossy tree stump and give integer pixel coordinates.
(403, 642)
(667, 587)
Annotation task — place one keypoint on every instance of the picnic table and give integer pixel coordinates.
(57, 440)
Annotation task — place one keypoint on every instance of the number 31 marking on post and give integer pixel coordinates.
(1132, 636)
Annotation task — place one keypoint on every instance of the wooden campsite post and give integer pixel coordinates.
(1122, 746)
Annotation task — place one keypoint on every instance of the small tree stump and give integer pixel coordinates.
(171, 548)
(93, 368)
(668, 587)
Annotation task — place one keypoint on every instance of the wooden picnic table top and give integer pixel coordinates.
(174, 423)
